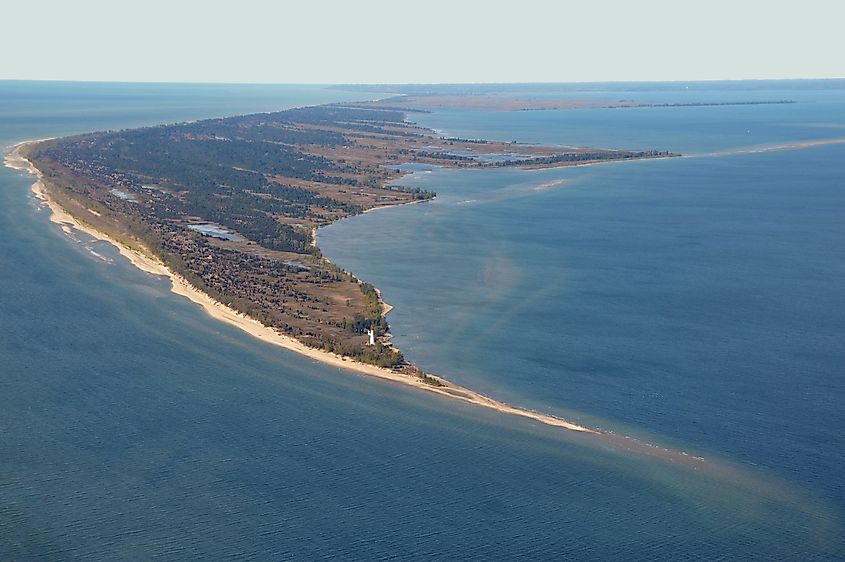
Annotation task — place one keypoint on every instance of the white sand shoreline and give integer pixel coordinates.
(223, 313)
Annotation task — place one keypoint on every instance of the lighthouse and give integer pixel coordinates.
(372, 335)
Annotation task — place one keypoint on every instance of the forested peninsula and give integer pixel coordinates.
(231, 205)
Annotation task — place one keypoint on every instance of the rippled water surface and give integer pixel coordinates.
(690, 303)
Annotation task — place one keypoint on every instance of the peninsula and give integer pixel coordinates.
(228, 209)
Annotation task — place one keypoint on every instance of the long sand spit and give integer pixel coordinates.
(764, 487)
(147, 262)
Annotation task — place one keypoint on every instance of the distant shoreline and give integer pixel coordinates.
(152, 265)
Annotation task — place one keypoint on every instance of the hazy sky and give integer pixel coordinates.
(376, 41)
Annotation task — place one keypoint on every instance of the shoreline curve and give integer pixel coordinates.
(219, 311)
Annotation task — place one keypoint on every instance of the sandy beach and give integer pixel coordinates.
(150, 264)
(770, 148)
(391, 205)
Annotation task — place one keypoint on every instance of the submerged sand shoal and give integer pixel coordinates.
(152, 265)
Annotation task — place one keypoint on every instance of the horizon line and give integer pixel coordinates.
(358, 84)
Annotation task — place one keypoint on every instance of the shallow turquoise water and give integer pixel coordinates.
(133, 426)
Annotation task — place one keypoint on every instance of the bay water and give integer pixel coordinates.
(692, 303)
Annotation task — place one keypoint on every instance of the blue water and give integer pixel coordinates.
(214, 231)
(818, 113)
(132, 426)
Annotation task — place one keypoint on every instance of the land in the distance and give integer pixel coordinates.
(486, 102)
(231, 206)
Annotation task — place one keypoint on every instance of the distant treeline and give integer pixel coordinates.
(418, 193)
(586, 156)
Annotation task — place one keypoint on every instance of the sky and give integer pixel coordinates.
(427, 41)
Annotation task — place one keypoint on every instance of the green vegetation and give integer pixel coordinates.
(584, 156)
(266, 181)
(416, 192)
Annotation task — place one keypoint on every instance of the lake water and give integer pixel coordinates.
(693, 303)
